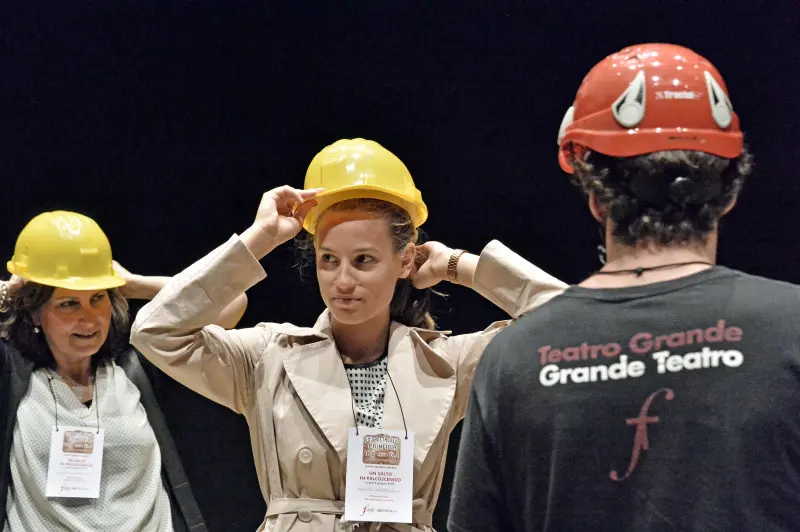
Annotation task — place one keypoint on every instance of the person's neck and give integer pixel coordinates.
(363, 342)
(673, 262)
(78, 371)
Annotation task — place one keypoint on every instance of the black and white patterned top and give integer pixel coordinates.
(368, 387)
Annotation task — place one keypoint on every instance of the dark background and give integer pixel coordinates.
(166, 120)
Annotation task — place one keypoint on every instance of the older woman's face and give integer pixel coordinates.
(75, 322)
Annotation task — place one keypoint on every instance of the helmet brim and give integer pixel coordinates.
(104, 282)
(415, 207)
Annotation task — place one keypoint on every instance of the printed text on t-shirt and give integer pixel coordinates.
(697, 346)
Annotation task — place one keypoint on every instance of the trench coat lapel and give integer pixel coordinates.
(425, 384)
(317, 375)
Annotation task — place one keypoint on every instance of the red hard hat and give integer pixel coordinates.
(648, 98)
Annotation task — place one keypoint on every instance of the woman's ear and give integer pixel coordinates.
(407, 257)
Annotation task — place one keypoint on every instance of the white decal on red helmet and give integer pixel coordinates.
(628, 109)
(721, 107)
(569, 116)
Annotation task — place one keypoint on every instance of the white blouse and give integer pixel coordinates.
(132, 496)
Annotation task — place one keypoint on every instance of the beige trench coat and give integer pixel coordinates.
(290, 384)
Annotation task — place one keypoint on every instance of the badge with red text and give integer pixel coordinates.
(380, 476)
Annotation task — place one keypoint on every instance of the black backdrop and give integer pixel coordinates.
(166, 120)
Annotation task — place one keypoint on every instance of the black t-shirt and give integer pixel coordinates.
(670, 406)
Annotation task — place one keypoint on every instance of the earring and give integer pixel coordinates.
(36, 330)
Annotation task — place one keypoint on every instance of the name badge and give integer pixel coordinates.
(380, 476)
(76, 460)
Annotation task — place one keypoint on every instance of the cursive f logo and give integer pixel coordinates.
(640, 442)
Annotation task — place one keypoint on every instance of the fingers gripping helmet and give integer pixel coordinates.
(359, 168)
(64, 249)
(648, 98)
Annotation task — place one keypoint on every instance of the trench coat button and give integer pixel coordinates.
(305, 455)
(304, 515)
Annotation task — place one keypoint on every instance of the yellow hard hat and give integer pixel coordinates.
(66, 250)
(359, 168)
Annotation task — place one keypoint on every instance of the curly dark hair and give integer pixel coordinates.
(17, 326)
(410, 306)
(665, 197)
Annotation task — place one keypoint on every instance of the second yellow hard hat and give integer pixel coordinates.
(64, 249)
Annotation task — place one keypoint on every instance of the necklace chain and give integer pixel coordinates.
(641, 269)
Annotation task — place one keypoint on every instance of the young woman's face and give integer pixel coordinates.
(358, 265)
(75, 322)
